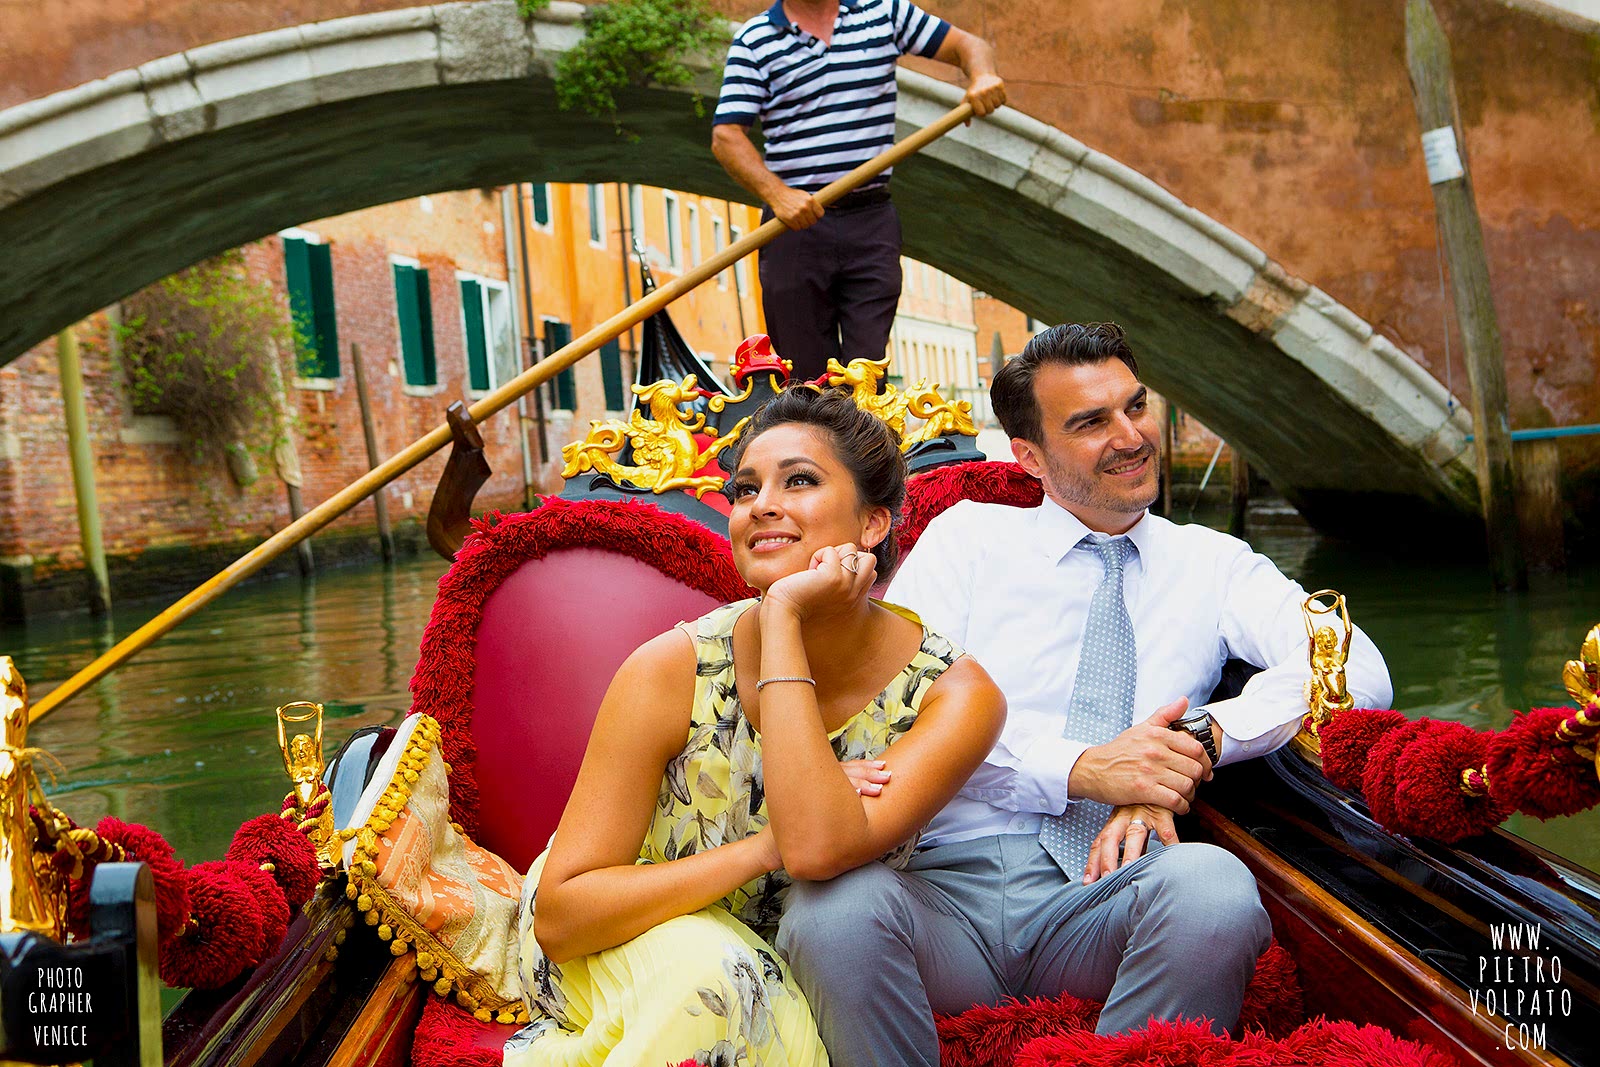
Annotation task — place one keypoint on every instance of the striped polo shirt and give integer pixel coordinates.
(824, 109)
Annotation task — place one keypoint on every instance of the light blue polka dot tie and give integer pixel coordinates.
(1102, 701)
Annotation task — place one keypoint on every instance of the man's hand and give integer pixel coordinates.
(796, 208)
(1145, 764)
(1127, 833)
(986, 93)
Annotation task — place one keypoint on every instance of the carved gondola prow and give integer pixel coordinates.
(450, 513)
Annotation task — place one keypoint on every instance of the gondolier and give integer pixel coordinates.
(820, 77)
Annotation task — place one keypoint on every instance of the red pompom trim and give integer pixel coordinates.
(1532, 770)
(271, 905)
(275, 840)
(1274, 1002)
(1322, 1043)
(138, 844)
(678, 547)
(928, 494)
(1378, 779)
(224, 933)
(1428, 798)
(1347, 740)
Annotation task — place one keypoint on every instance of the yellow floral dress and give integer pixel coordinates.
(705, 987)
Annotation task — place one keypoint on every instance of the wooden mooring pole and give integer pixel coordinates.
(1239, 477)
(1461, 234)
(374, 458)
(1169, 419)
(76, 415)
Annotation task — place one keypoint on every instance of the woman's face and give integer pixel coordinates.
(792, 496)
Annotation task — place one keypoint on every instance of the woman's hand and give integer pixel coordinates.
(1127, 832)
(839, 577)
(867, 776)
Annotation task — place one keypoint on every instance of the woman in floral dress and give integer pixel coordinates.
(732, 754)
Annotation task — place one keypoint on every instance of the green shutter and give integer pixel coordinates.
(297, 272)
(323, 312)
(564, 394)
(405, 303)
(477, 350)
(541, 203)
(430, 370)
(611, 374)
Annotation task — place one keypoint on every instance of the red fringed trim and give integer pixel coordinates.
(1274, 1002)
(1429, 801)
(1348, 739)
(272, 839)
(678, 547)
(989, 1035)
(1378, 779)
(931, 492)
(130, 841)
(224, 934)
(448, 1036)
(1322, 1043)
(1532, 770)
(1190, 1044)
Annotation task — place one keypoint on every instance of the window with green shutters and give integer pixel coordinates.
(611, 375)
(563, 388)
(308, 268)
(541, 205)
(414, 306)
(477, 343)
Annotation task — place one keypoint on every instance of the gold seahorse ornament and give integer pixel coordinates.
(665, 452)
(940, 416)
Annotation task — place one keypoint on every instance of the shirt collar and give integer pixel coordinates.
(776, 15)
(1059, 531)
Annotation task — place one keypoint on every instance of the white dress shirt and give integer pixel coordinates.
(1011, 586)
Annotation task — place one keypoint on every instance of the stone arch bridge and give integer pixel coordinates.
(113, 184)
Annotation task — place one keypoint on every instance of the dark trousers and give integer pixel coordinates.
(830, 291)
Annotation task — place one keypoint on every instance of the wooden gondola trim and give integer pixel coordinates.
(1437, 1000)
(381, 1034)
(439, 436)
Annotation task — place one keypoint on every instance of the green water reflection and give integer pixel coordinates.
(183, 737)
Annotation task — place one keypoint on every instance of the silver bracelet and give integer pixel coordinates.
(763, 683)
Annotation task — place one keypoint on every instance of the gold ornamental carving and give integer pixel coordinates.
(27, 901)
(303, 762)
(665, 452)
(940, 417)
(1328, 648)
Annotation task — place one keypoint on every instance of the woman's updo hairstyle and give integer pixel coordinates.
(868, 447)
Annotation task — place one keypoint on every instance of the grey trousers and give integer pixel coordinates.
(877, 952)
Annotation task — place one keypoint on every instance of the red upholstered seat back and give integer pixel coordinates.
(530, 624)
(551, 637)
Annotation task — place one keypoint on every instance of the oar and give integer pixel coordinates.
(439, 436)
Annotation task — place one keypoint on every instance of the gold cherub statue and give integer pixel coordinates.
(1328, 651)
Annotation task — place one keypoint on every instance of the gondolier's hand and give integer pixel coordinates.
(795, 208)
(1125, 837)
(1144, 764)
(986, 93)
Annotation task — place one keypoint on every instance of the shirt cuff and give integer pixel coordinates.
(1231, 748)
(1048, 767)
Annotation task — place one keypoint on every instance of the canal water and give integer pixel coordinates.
(183, 739)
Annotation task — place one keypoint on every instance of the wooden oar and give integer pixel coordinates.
(439, 436)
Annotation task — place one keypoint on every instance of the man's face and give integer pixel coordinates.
(1098, 456)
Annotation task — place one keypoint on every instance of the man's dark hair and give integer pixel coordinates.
(1071, 344)
(868, 447)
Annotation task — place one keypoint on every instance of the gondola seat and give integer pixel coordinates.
(532, 620)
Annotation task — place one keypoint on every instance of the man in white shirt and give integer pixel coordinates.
(1103, 625)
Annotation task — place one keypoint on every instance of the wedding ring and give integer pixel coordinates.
(1136, 821)
(851, 564)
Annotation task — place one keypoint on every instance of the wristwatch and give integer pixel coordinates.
(1199, 728)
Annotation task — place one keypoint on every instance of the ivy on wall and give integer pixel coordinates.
(633, 42)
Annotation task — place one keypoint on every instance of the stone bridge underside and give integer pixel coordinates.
(109, 186)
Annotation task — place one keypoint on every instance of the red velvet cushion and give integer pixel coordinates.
(552, 635)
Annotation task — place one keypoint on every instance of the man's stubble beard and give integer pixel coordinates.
(1068, 488)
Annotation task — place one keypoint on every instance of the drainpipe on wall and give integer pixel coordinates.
(94, 552)
(524, 310)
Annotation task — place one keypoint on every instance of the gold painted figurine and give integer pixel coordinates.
(665, 452)
(1328, 650)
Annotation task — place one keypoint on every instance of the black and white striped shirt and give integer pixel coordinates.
(824, 109)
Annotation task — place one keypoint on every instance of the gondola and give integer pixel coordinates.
(1394, 931)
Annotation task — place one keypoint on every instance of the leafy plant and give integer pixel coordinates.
(529, 8)
(199, 346)
(636, 42)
